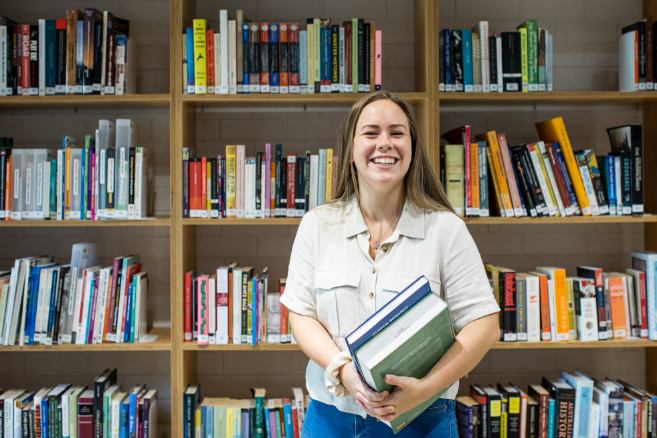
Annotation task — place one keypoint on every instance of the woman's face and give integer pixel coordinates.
(382, 146)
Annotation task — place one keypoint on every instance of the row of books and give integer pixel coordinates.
(545, 178)
(637, 61)
(108, 178)
(85, 53)
(66, 410)
(43, 302)
(263, 57)
(234, 306)
(246, 418)
(267, 185)
(573, 405)
(473, 60)
(548, 305)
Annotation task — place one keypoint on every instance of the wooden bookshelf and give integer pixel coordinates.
(87, 101)
(557, 97)
(154, 222)
(324, 99)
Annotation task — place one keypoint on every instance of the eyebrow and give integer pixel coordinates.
(398, 125)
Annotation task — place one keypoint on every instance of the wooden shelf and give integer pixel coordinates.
(91, 100)
(622, 343)
(163, 343)
(324, 99)
(232, 221)
(561, 220)
(193, 346)
(155, 222)
(562, 97)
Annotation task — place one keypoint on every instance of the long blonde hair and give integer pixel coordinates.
(421, 186)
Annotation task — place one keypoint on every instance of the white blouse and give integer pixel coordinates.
(333, 279)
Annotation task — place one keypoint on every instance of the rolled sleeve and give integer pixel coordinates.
(299, 295)
(466, 288)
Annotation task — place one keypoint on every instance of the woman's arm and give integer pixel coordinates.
(318, 345)
(471, 345)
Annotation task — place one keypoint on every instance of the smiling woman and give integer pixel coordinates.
(389, 224)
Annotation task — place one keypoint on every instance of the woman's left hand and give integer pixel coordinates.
(407, 394)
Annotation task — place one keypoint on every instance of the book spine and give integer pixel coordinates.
(265, 60)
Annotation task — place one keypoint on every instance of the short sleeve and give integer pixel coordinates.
(299, 295)
(466, 287)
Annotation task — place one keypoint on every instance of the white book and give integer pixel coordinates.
(552, 180)
(83, 255)
(59, 192)
(217, 63)
(553, 310)
(42, 57)
(41, 183)
(104, 277)
(13, 301)
(141, 306)
(594, 420)
(536, 161)
(222, 310)
(28, 172)
(223, 32)
(141, 183)
(106, 139)
(549, 61)
(232, 58)
(16, 185)
(239, 180)
(126, 134)
(116, 413)
(500, 71)
(75, 189)
(237, 305)
(43, 305)
(273, 318)
(485, 56)
(588, 188)
(321, 182)
(602, 399)
(343, 65)
(212, 326)
(120, 65)
(132, 260)
(620, 209)
(89, 277)
(532, 286)
(66, 410)
(3, 60)
(314, 180)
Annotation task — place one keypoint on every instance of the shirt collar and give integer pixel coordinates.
(411, 222)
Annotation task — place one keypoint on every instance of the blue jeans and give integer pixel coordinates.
(326, 421)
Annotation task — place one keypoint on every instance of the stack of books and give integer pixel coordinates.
(473, 60)
(637, 58)
(266, 185)
(256, 417)
(43, 302)
(109, 178)
(280, 58)
(548, 305)
(544, 178)
(574, 402)
(87, 52)
(75, 410)
(234, 306)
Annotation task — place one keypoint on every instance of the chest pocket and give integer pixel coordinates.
(338, 306)
(395, 283)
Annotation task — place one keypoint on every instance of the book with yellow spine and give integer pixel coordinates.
(208, 183)
(329, 174)
(474, 178)
(554, 130)
(498, 169)
(454, 181)
(524, 56)
(231, 172)
(200, 73)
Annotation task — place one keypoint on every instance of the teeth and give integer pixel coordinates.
(384, 160)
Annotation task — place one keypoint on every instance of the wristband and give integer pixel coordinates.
(332, 374)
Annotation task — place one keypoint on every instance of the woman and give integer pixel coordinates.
(389, 224)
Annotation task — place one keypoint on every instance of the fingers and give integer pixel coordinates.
(374, 409)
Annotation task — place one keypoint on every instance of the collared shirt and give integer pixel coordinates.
(333, 279)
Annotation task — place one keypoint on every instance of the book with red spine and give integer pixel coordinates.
(86, 414)
(347, 57)
(195, 191)
(203, 209)
(559, 177)
(25, 58)
(285, 337)
(509, 304)
(642, 302)
(209, 60)
(295, 61)
(132, 270)
(284, 53)
(109, 307)
(187, 307)
(291, 183)
(265, 61)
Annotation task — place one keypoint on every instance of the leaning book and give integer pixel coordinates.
(406, 337)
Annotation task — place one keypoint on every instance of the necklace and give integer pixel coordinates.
(377, 244)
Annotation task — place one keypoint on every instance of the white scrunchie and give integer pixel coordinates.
(332, 374)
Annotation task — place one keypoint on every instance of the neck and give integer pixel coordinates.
(382, 206)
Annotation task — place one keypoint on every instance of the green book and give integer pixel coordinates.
(259, 424)
(532, 53)
(409, 346)
(524, 59)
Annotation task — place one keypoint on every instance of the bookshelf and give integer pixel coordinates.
(172, 245)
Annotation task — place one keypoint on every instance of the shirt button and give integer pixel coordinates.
(371, 295)
(373, 270)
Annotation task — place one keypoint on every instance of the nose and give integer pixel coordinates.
(385, 141)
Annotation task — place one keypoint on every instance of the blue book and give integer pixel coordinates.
(254, 312)
(466, 38)
(128, 314)
(583, 395)
(325, 59)
(190, 60)
(564, 172)
(124, 414)
(267, 424)
(287, 413)
(608, 172)
(33, 297)
(387, 314)
(204, 421)
(133, 307)
(245, 69)
(89, 309)
(274, 76)
(551, 413)
(135, 394)
(245, 423)
(209, 416)
(44, 418)
(484, 204)
(321, 187)
(447, 54)
(83, 192)
(303, 60)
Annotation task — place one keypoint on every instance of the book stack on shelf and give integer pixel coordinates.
(473, 60)
(244, 57)
(45, 303)
(87, 52)
(76, 410)
(546, 305)
(543, 179)
(637, 58)
(268, 185)
(234, 306)
(109, 178)
(256, 417)
(588, 407)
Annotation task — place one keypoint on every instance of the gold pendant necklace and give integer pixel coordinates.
(377, 244)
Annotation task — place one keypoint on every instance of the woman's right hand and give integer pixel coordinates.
(369, 400)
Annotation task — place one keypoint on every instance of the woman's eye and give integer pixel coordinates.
(397, 134)
(371, 134)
